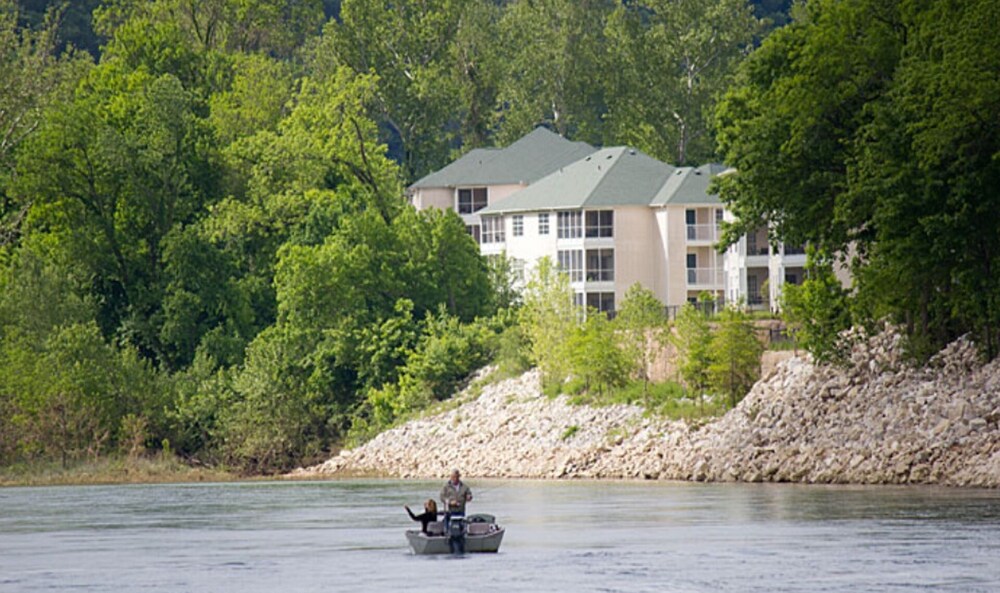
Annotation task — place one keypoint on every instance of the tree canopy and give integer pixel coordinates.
(869, 129)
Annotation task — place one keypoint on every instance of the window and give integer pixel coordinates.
(517, 269)
(569, 225)
(475, 231)
(602, 301)
(718, 216)
(579, 299)
(471, 200)
(757, 243)
(543, 223)
(571, 262)
(600, 265)
(753, 291)
(493, 229)
(600, 223)
(517, 225)
(692, 268)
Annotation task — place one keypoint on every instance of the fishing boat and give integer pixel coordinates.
(473, 534)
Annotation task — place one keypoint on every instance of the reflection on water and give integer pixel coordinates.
(562, 536)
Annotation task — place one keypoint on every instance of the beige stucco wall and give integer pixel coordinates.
(497, 193)
(445, 197)
(434, 197)
(638, 256)
(675, 229)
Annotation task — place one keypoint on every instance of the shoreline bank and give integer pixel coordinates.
(876, 420)
(112, 471)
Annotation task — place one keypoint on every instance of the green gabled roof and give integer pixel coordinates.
(689, 185)
(609, 177)
(527, 160)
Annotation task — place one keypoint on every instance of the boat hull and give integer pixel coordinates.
(423, 544)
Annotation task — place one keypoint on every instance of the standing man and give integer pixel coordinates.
(454, 495)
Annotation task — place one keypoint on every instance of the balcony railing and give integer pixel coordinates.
(705, 277)
(703, 232)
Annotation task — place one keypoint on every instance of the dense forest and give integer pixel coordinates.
(205, 246)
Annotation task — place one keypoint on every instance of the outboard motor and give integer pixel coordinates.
(456, 535)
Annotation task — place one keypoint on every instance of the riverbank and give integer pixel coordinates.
(113, 470)
(876, 420)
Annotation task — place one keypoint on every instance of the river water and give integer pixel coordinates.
(342, 536)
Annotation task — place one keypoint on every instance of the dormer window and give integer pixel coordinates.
(471, 200)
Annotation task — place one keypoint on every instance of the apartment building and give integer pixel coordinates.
(485, 176)
(612, 219)
(609, 218)
(756, 271)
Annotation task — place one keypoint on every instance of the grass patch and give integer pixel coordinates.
(157, 469)
(569, 432)
(667, 399)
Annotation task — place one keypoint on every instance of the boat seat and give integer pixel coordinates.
(435, 528)
(479, 528)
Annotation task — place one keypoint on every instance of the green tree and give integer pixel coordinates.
(256, 100)
(74, 28)
(475, 67)
(693, 339)
(554, 53)
(786, 124)
(443, 261)
(409, 47)
(735, 353)
(595, 358)
(817, 310)
(549, 318)
(669, 60)
(231, 26)
(925, 177)
(503, 282)
(283, 411)
(111, 173)
(864, 126)
(34, 75)
(205, 306)
(643, 328)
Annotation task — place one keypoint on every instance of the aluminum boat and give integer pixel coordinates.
(473, 534)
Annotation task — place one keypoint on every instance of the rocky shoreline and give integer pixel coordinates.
(875, 421)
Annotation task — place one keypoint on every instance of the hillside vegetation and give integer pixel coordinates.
(206, 250)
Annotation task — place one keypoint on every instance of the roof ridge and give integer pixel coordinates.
(605, 174)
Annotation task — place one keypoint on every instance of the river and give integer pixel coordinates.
(341, 536)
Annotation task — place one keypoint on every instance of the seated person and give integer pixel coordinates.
(430, 514)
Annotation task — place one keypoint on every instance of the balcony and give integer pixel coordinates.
(705, 277)
(708, 233)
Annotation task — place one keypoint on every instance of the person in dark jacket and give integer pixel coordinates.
(430, 514)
